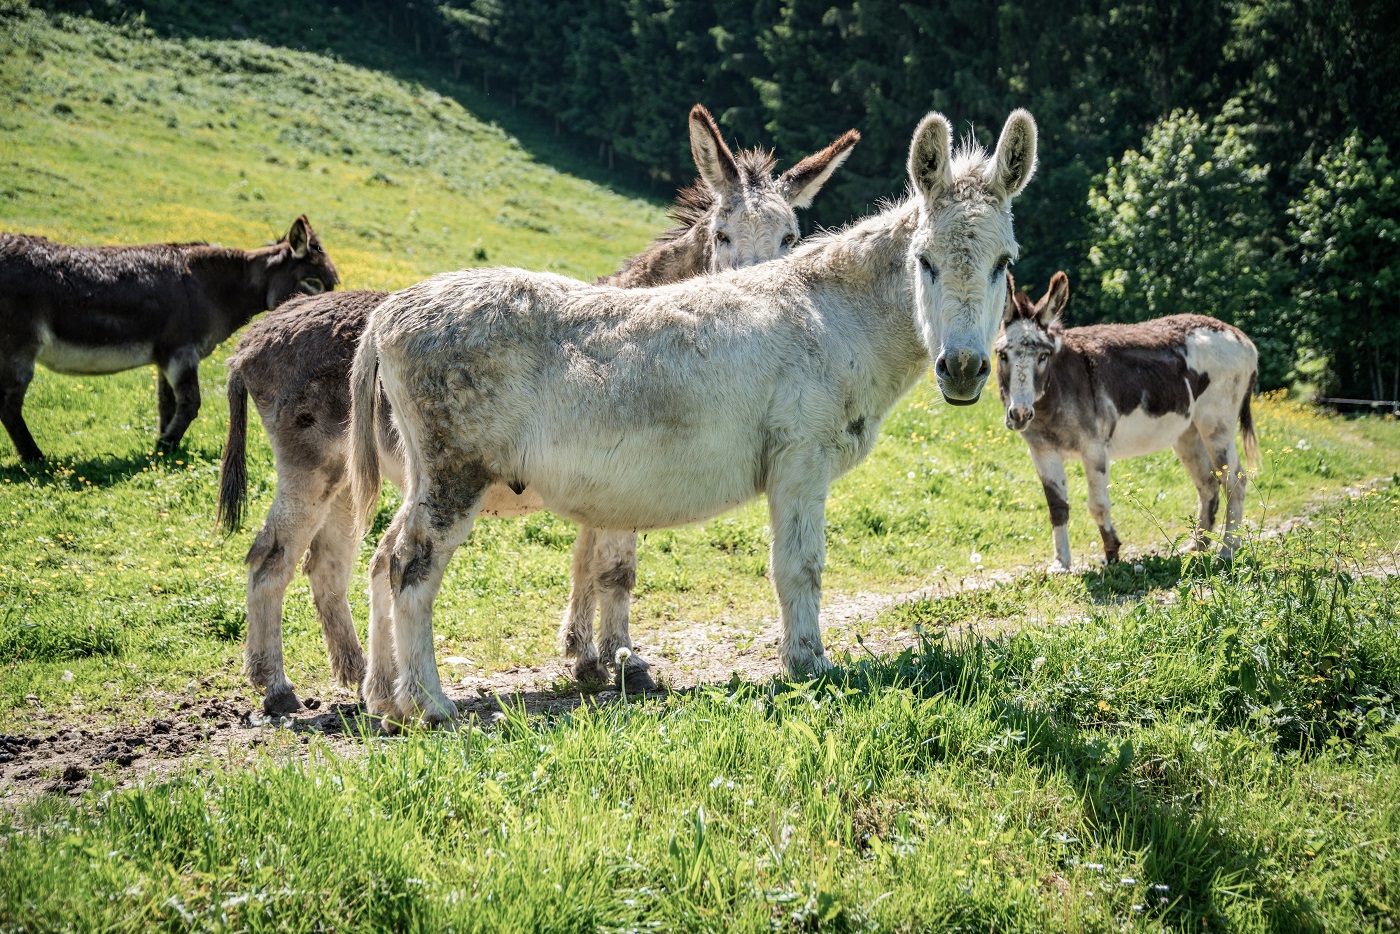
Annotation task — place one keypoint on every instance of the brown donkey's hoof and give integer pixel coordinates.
(283, 703)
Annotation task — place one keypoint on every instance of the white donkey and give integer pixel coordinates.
(653, 408)
(1110, 391)
(295, 363)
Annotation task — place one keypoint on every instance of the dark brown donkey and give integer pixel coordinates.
(296, 365)
(100, 310)
(1109, 391)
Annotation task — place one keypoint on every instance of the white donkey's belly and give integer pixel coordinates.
(1138, 433)
(643, 483)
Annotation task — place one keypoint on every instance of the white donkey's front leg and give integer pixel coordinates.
(1050, 467)
(797, 488)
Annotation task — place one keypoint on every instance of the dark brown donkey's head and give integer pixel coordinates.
(297, 265)
(1030, 337)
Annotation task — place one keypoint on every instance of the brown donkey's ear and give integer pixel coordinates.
(716, 163)
(800, 184)
(300, 237)
(1049, 308)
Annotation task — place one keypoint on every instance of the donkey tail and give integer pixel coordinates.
(364, 445)
(233, 472)
(1251, 440)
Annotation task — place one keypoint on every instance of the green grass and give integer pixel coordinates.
(1226, 761)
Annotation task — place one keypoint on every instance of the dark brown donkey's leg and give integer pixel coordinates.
(182, 372)
(15, 375)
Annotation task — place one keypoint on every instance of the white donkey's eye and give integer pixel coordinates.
(790, 239)
(928, 267)
(721, 236)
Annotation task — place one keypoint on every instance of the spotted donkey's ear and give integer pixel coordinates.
(1008, 314)
(718, 170)
(1049, 308)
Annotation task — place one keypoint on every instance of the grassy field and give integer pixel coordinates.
(1222, 760)
(1160, 746)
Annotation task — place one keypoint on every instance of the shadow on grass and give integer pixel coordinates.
(105, 470)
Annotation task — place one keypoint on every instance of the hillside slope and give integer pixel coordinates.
(114, 135)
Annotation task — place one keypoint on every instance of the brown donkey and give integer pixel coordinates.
(296, 366)
(1111, 391)
(101, 310)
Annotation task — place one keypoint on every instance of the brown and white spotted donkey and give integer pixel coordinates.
(100, 310)
(296, 366)
(1111, 391)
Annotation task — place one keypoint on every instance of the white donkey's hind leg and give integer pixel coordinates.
(297, 513)
(576, 629)
(797, 490)
(330, 563)
(615, 574)
(430, 525)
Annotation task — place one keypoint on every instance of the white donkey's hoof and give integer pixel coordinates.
(1057, 567)
(433, 710)
(807, 665)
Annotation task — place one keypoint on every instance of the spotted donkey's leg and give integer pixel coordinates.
(1096, 478)
(797, 486)
(1050, 467)
(615, 574)
(297, 513)
(434, 520)
(1197, 461)
(1221, 443)
(330, 563)
(576, 629)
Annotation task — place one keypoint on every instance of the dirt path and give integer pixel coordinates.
(229, 732)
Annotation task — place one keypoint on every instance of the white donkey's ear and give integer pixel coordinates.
(800, 184)
(931, 157)
(1015, 156)
(718, 169)
(1053, 304)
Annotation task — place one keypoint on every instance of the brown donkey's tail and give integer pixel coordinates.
(364, 447)
(1251, 441)
(233, 472)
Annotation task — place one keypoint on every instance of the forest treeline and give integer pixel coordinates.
(1226, 157)
(1229, 158)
